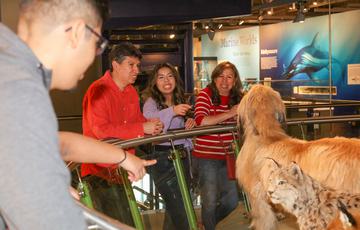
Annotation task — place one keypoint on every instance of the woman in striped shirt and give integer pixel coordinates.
(217, 104)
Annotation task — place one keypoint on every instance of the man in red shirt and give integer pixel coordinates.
(111, 108)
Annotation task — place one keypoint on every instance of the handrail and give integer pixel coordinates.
(324, 119)
(174, 135)
(180, 134)
(71, 117)
(322, 105)
(204, 130)
(340, 103)
(102, 221)
(296, 99)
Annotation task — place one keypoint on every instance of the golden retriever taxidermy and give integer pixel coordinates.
(335, 162)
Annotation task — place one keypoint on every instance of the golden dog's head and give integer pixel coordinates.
(261, 111)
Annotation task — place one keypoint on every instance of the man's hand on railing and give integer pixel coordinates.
(153, 126)
(135, 166)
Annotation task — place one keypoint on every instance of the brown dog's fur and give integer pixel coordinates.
(335, 162)
(342, 223)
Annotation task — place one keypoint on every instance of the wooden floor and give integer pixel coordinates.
(235, 221)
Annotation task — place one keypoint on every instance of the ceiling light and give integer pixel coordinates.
(241, 22)
(220, 26)
(207, 27)
(315, 3)
(172, 36)
(270, 12)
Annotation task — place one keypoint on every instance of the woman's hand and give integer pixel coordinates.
(181, 109)
(190, 123)
(233, 111)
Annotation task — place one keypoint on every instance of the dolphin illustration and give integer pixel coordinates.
(309, 60)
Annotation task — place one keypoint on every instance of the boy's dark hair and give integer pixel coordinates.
(55, 12)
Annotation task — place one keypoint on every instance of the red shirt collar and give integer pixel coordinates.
(110, 82)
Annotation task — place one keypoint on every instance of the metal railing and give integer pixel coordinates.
(97, 220)
(204, 130)
(172, 135)
(324, 119)
(105, 222)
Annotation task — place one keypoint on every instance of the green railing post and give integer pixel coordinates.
(179, 169)
(84, 193)
(237, 151)
(132, 201)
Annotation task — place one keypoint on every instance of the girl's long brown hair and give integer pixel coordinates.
(151, 90)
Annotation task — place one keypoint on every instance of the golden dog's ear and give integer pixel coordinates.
(270, 165)
(274, 161)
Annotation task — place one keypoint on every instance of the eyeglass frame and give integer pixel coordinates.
(168, 76)
(101, 44)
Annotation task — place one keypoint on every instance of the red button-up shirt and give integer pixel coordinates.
(109, 112)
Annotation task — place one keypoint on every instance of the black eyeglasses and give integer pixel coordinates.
(101, 44)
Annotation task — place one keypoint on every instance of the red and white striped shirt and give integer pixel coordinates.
(213, 146)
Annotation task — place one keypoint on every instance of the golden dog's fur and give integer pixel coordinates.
(335, 162)
(341, 222)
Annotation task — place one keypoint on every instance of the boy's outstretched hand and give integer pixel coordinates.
(136, 166)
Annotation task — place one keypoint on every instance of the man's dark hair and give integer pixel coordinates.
(122, 50)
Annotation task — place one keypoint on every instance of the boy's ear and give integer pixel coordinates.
(77, 32)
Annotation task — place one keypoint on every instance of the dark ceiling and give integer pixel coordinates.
(127, 13)
(151, 25)
(240, 13)
(264, 12)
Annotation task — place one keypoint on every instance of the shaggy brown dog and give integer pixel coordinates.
(335, 162)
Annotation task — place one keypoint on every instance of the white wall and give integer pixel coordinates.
(241, 47)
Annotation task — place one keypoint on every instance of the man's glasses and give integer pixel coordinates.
(101, 44)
